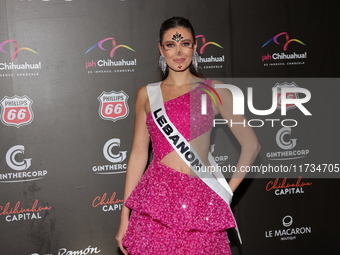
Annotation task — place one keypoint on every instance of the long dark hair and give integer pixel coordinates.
(173, 23)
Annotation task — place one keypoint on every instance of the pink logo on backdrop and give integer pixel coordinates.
(113, 45)
(205, 43)
(285, 45)
(16, 48)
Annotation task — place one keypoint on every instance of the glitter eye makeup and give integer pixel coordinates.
(185, 44)
(177, 37)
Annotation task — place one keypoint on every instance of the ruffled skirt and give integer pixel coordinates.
(174, 213)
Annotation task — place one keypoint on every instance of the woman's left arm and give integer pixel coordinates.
(244, 134)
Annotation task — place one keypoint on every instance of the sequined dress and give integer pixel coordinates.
(175, 213)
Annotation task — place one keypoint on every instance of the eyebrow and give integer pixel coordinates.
(179, 41)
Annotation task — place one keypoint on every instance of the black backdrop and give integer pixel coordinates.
(63, 152)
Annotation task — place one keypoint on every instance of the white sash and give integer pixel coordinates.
(216, 182)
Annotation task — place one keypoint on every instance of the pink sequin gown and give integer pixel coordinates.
(174, 213)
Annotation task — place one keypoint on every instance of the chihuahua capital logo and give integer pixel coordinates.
(16, 48)
(114, 46)
(285, 45)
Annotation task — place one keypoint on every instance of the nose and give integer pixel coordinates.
(178, 49)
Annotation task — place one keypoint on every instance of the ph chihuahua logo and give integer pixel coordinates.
(114, 46)
(285, 45)
(16, 48)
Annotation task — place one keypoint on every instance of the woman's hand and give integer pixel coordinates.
(120, 235)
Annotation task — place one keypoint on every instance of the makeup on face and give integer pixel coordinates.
(177, 37)
(185, 44)
(178, 46)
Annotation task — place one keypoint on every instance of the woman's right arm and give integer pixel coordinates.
(137, 160)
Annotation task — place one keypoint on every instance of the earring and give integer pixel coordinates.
(162, 63)
(195, 61)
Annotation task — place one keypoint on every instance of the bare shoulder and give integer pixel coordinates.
(142, 101)
(221, 91)
(142, 92)
(216, 82)
(142, 95)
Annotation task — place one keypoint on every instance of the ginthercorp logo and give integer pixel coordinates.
(283, 40)
(16, 111)
(113, 154)
(11, 158)
(220, 159)
(109, 155)
(108, 203)
(287, 187)
(285, 99)
(109, 45)
(113, 105)
(16, 48)
(17, 161)
(288, 232)
(217, 61)
(287, 142)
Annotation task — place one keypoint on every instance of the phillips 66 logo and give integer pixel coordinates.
(289, 95)
(113, 105)
(16, 111)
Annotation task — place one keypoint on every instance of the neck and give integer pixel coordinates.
(179, 78)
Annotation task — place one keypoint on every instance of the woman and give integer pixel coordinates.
(173, 212)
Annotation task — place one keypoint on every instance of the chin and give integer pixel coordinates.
(177, 69)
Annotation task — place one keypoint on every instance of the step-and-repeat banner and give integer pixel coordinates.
(69, 73)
